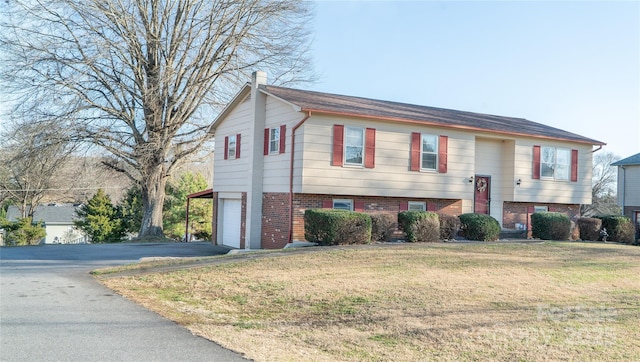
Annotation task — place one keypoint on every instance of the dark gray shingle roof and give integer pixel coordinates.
(58, 213)
(394, 111)
(631, 160)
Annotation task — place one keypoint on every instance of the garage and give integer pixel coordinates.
(231, 216)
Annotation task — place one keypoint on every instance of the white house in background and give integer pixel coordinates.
(58, 223)
(280, 151)
(629, 188)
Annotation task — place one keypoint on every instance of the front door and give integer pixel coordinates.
(482, 194)
(637, 215)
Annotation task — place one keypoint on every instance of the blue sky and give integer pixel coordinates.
(571, 65)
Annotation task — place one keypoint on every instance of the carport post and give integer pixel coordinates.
(186, 224)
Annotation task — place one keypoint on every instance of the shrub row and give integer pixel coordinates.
(336, 227)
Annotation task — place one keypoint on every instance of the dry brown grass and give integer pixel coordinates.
(551, 301)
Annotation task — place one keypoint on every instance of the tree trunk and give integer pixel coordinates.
(153, 192)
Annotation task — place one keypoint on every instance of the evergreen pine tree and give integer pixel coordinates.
(100, 220)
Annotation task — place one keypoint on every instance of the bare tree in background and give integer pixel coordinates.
(603, 196)
(142, 79)
(31, 157)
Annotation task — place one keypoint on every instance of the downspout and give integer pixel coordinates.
(597, 149)
(293, 148)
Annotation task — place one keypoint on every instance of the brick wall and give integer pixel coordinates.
(520, 212)
(517, 212)
(243, 221)
(372, 204)
(275, 220)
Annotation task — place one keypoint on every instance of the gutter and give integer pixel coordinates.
(293, 148)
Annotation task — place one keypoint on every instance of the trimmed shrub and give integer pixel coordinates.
(589, 228)
(449, 226)
(479, 227)
(336, 227)
(550, 226)
(619, 227)
(382, 226)
(420, 226)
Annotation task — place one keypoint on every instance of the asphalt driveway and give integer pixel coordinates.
(51, 309)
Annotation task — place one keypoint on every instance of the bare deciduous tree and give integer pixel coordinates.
(31, 157)
(142, 78)
(603, 200)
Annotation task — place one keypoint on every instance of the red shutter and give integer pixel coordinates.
(442, 154)
(226, 147)
(327, 204)
(370, 148)
(283, 137)
(238, 145)
(416, 138)
(574, 165)
(536, 162)
(358, 206)
(431, 206)
(531, 209)
(266, 141)
(338, 145)
(404, 206)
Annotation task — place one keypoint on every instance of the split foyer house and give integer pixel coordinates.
(629, 188)
(280, 151)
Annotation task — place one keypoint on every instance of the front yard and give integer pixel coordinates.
(408, 302)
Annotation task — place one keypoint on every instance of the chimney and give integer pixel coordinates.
(258, 78)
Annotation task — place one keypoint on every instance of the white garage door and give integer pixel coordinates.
(231, 222)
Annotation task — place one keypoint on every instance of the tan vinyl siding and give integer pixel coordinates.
(391, 175)
(552, 191)
(231, 175)
(490, 161)
(276, 166)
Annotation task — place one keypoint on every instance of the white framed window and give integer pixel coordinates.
(274, 140)
(429, 152)
(417, 206)
(354, 146)
(555, 163)
(343, 204)
(538, 208)
(231, 150)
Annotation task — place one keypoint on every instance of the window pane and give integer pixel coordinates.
(354, 145)
(417, 206)
(429, 161)
(548, 155)
(274, 143)
(563, 157)
(546, 170)
(562, 172)
(232, 147)
(353, 155)
(429, 143)
(342, 204)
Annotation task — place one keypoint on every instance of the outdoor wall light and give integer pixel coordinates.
(470, 180)
(519, 182)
